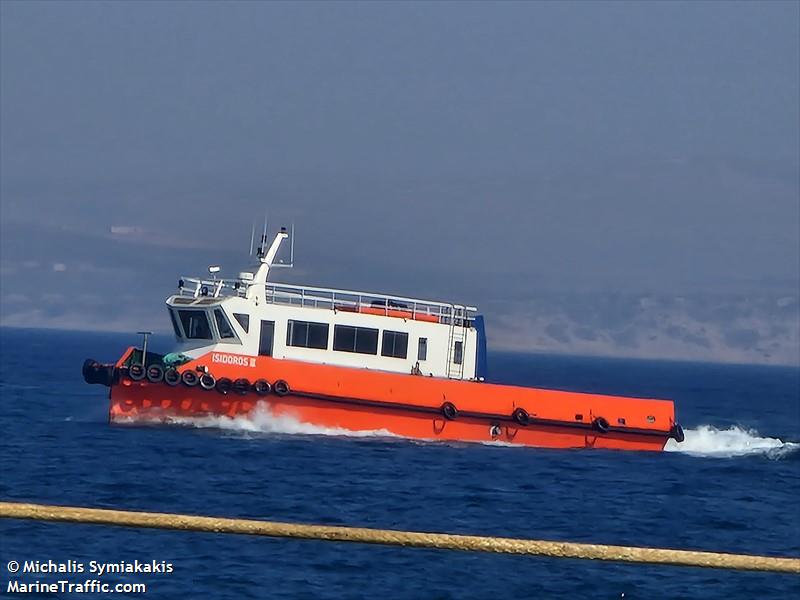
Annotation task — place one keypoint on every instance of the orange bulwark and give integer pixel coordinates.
(411, 406)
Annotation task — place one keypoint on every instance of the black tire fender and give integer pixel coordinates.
(521, 417)
(207, 381)
(261, 387)
(281, 387)
(449, 411)
(190, 378)
(172, 377)
(136, 371)
(155, 373)
(241, 386)
(600, 424)
(223, 385)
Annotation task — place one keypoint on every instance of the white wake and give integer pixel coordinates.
(726, 443)
(262, 420)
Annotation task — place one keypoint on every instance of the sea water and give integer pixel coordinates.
(733, 485)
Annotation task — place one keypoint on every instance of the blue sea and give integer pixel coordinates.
(733, 486)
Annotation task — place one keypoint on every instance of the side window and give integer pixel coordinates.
(174, 322)
(195, 324)
(422, 349)
(243, 320)
(223, 326)
(303, 334)
(362, 340)
(458, 353)
(395, 344)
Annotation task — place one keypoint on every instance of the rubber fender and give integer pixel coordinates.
(223, 385)
(521, 416)
(241, 386)
(449, 411)
(172, 377)
(261, 387)
(136, 371)
(190, 378)
(281, 387)
(600, 424)
(155, 373)
(207, 381)
(676, 433)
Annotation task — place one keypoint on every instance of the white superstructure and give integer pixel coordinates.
(251, 316)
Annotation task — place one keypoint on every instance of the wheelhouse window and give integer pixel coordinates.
(458, 353)
(174, 322)
(195, 324)
(422, 349)
(395, 344)
(305, 334)
(243, 320)
(361, 340)
(223, 326)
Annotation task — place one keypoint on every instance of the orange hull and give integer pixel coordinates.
(406, 405)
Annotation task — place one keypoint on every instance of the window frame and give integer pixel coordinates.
(292, 325)
(422, 349)
(365, 331)
(394, 336)
(219, 315)
(186, 330)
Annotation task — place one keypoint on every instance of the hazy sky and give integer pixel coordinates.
(483, 149)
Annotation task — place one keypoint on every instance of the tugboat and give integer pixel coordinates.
(357, 361)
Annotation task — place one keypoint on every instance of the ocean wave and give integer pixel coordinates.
(708, 441)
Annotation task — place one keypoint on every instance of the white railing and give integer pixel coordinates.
(333, 299)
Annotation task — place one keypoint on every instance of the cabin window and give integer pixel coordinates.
(304, 334)
(395, 344)
(355, 339)
(195, 324)
(223, 326)
(174, 323)
(422, 349)
(458, 353)
(243, 320)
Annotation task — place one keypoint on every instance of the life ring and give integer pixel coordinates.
(171, 376)
(155, 373)
(223, 385)
(449, 411)
(207, 381)
(261, 387)
(136, 371)
(190, 378)
(676, 433)
(281, 387)
(241, 386)
(600, 424)
(521, 416)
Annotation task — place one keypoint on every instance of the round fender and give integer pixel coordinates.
(241, 386)
(136, 371)
(223, 385)
(262, 387)
(155, 373)
(207, 381)
(190, 378)
(676, 433)
(600, 424)
(281, 387)
(172, 377)
(521, 417)
(449, 411)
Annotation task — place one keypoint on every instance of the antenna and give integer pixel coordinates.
(252, 238)
(291, 248)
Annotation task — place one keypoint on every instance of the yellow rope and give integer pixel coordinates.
(98, 516)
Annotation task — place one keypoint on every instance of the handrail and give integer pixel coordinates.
(215, 288)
